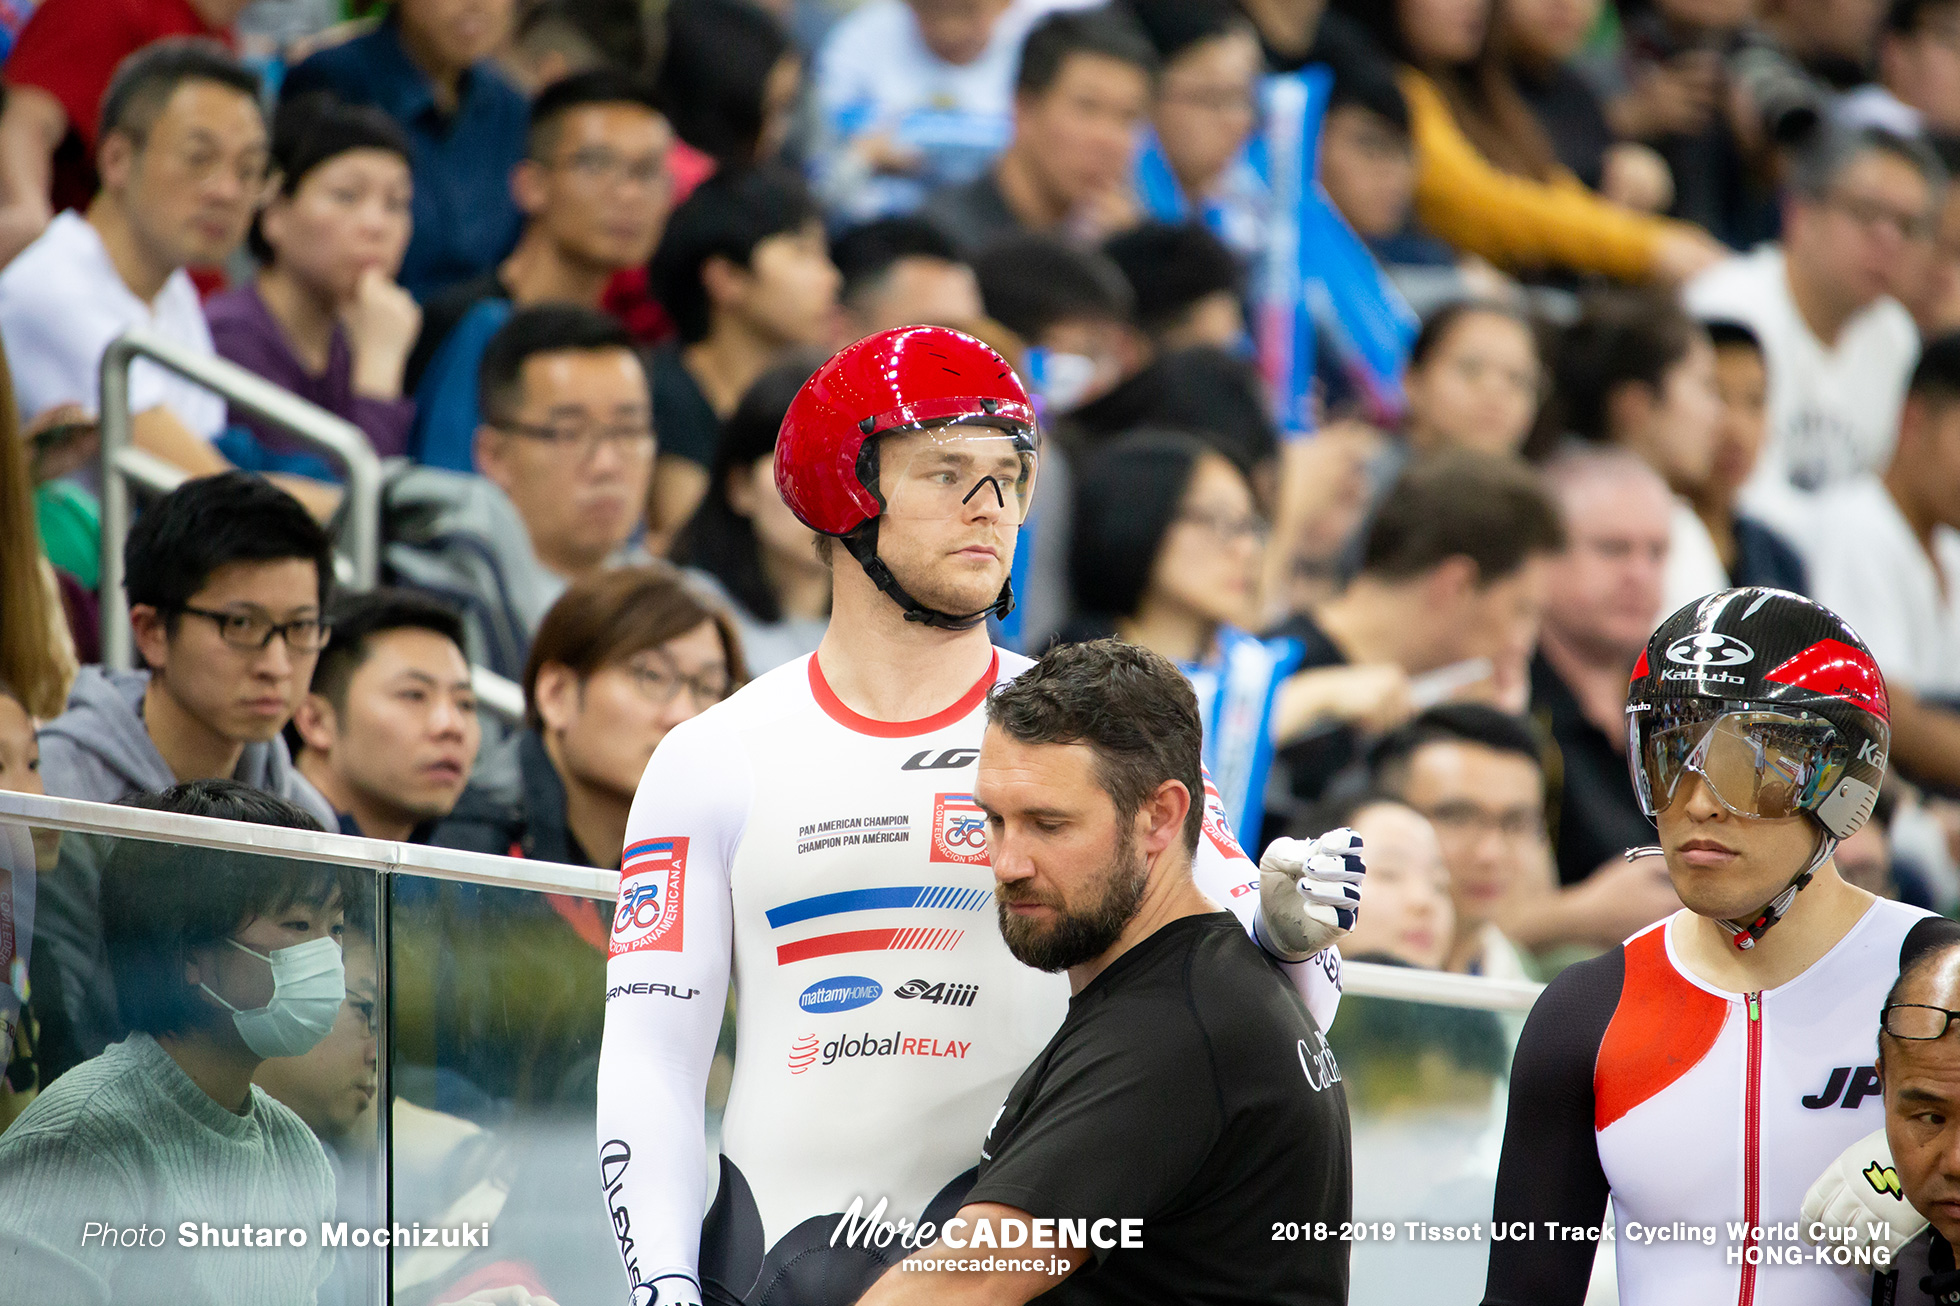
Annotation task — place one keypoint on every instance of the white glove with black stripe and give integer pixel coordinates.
(1309, 893)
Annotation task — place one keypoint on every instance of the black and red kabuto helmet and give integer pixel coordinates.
(1776, 703)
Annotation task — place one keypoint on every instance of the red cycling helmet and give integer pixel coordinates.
(905, 377)
(901, 379)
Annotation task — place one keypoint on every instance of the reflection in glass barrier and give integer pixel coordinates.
(499, 1003)
(1426, 1098)
(195, 1066)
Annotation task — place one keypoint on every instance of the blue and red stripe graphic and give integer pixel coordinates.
(909, 897)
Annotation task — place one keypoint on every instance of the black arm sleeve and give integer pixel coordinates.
(1550, 1167)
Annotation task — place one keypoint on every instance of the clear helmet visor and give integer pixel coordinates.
(946, 472)
(1759, 764)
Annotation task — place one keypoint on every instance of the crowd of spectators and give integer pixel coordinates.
(1401, 363)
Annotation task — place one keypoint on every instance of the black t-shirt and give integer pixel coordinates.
(1597, 816)
(683, 419)
(1188, 1088)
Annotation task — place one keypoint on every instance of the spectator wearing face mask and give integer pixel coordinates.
(221, 960)
(1080, 95)
(1072, 308)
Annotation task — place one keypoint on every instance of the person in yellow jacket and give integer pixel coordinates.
(1487, 180)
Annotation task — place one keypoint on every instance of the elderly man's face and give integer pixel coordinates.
(1922, 1102)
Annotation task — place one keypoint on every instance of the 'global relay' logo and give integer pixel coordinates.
(844, 993)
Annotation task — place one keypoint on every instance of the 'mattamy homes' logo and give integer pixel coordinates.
(844, 993)
(1710, 649)
(651, 883)
(959, 830)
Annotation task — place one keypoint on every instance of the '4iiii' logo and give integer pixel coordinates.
(959, 830)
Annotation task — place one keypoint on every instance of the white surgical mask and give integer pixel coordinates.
(1060, 379)
(309, 982)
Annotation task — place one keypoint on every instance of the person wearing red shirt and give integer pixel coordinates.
(55, 77)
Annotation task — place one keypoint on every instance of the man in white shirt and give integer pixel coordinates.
(914, 94)
(183, 164)
(1839, 346)
(1890, 564)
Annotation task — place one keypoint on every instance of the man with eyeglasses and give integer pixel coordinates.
(1894, 1198)
(1838, 345)
(595, 193)
(1704, 1072)
(182, 153)
(567, 434)
(227, 578)
(1476, 774)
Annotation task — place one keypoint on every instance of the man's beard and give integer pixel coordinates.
(1078, 936)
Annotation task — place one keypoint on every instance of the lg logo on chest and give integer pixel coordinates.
(950, 760)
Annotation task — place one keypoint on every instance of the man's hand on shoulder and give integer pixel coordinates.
(1309, 893)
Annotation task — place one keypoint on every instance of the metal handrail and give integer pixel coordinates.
(384, 856)
(503, 699)
(338, 439)
(1359, 979)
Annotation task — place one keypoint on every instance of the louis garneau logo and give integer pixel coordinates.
(645, 989)
(1710, 649)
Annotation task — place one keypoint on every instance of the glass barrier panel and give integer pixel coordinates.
(189, 1106)
(1427, 1088)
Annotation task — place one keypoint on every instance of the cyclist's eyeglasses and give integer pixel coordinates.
(941, 476)
(250, 630)
(1758, 762)
(1910, 1020)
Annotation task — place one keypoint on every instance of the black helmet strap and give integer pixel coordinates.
(862, 541)
(1746, 930)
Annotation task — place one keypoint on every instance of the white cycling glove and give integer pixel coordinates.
(1858, 1200)
(1309, 893)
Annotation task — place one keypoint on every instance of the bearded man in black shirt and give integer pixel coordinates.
(1184, 1135)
